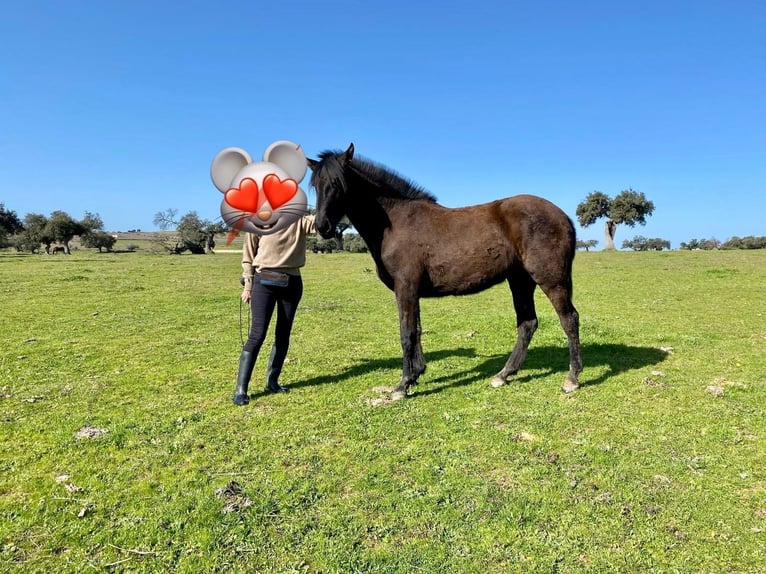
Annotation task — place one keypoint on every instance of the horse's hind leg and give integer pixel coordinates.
(561, 298)
(523, 290)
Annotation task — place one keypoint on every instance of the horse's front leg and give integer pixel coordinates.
(413, 362)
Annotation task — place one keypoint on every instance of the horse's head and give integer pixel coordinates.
(328, 179)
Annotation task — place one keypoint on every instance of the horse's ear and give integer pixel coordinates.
(347, 155)
(312, 163)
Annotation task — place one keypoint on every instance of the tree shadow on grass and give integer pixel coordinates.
(540, 362)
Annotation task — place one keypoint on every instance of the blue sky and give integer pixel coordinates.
(117, 108)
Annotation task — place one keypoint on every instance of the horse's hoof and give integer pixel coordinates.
(569, 386)
(241, 400)
(497, 382)
(398, 395)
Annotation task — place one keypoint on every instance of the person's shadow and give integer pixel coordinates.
(616, 358)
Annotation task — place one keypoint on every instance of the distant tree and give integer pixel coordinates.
(705, 244)
(749, 242)
(755, 242)
(18, 242)
(63, 228)
(166, 219)
(36, 232)
(99, 240)
(60, 227)
(629, 207)
(190, 227)
(209, 231)
(343, 225)
(641, 243)
(92, 222)
(194, 234)
(354, 243)
(316, 244)
(691, 245)
(586, 244)
(710, 244)
(638, 243)
(657, 244)
(340, 229)
(93, 235)
(10, 224)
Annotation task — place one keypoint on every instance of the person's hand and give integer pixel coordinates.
(248, 286)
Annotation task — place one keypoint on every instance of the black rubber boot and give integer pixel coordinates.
(246, 364)
(273, 371)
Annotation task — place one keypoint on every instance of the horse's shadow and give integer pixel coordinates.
(540, 362)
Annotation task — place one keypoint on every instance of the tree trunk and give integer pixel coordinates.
(609, 229)
(210, 244)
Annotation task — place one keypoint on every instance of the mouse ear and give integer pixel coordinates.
(289, 156)
(225, 166)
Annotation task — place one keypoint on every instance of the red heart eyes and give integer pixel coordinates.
(279, 192)
(246, 197)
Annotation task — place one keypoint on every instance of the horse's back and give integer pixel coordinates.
(467, 249)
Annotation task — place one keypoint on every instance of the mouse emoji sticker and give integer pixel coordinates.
(260, 196)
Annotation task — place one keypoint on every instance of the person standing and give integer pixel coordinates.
(272, 280)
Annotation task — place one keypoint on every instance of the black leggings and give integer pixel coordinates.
(263, 299)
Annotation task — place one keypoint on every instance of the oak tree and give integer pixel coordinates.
(629, 207)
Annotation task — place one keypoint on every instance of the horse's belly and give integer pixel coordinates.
(463, 276)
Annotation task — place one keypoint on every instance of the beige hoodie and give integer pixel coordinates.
(283, 251)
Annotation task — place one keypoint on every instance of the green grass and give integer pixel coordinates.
(644, 469)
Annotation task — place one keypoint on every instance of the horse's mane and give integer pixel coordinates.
(388, 183)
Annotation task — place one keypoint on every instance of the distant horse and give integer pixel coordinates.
(58, 249)
(423, 249)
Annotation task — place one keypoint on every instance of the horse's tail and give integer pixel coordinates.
(573, 246)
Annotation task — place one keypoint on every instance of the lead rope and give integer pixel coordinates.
(241, 337)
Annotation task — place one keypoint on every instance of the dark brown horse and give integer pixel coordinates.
(423, 249)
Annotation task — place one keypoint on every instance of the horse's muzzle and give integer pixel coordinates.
(325, 230)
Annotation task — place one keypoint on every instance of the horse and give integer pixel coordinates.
(423, 249)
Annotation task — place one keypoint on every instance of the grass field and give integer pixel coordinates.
(120, 449)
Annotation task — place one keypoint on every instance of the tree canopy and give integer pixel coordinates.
(194, 234)
(704, 244)
(98, 240)
(749, 242)
(641, 243)
(34, 234)
(60, 227)
(10, 224)
(629, 207)
(586, 244)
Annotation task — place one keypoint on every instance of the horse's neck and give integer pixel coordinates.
(371, 222)
(369, 216)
